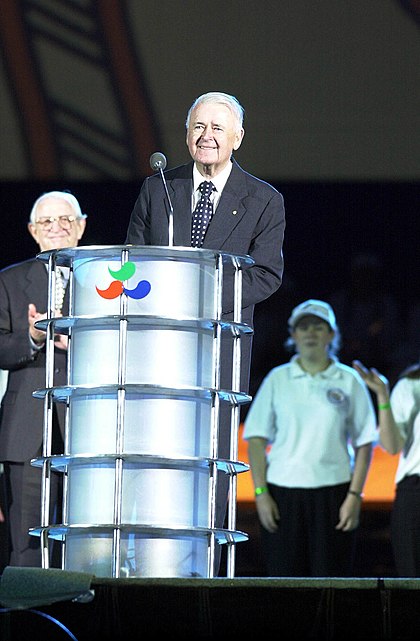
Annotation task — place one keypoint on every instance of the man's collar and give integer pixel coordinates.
(218, 181)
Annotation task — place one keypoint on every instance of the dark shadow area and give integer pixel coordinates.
(215, 608)
(373, 550)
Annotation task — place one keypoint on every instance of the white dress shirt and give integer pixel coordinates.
(218, 181)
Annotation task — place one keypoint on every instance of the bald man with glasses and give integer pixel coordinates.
(56, 222)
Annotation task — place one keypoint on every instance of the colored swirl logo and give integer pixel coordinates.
(116, 288)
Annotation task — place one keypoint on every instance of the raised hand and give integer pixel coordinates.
(375, 381)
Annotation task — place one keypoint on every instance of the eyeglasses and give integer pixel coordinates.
(65, 222)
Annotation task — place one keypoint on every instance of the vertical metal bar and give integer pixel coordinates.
(70, 285)
(237, 291)
(46, 455)
(48, 414)
(119, 440)
(233, 481)
(231, 554)
(234, 428)
(236, 359)
(234, 414)
(214, 425)
(213, 472)
(65, 516)
(217, 347)
(44, 543)
(237, 318)
(211, 549)
(171, 226)
(215, 413)
(51, 285)
(116, 539)
(212, 494)
(69, 347)
(218, 292)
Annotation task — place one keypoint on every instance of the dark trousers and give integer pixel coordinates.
(307, 543)
(23, 495)
(405, 527)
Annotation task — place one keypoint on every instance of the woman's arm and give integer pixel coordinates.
(389, 434)
(267, 509)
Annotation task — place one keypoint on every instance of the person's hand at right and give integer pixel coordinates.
(375, 381)
(268, 512)
(37, 335)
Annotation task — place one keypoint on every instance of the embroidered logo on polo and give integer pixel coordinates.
(336, 396)
(116, 288)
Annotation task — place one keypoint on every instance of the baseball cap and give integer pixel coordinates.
(313, 307)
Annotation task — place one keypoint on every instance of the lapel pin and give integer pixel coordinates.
(234, 212)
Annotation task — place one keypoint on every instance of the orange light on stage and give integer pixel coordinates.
(380, 483)
(379, 486)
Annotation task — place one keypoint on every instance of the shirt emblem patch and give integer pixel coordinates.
(336, 396)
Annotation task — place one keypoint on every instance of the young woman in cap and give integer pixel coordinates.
(308, 485)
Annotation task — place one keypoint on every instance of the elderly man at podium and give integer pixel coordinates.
(212, 203)
(56, 221)
(216, 205)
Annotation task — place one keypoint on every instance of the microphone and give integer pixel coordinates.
(158, 163)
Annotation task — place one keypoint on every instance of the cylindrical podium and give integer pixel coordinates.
(141, 466)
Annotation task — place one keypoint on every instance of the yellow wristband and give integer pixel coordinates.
(260, 490)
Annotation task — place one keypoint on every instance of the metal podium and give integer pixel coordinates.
(141, 466)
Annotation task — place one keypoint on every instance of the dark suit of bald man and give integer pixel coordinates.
(22, 415)
(249, 220)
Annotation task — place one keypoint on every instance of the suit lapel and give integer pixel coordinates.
(181, 201)
(36, 285)
(180, 191)
(231, 208)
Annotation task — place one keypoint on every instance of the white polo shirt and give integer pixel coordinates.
(310, 421)
(405, 402)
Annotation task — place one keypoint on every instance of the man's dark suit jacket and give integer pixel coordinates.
(22, 416)
(249, 220)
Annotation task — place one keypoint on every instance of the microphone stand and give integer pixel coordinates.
(171, 212)
(158, 163)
